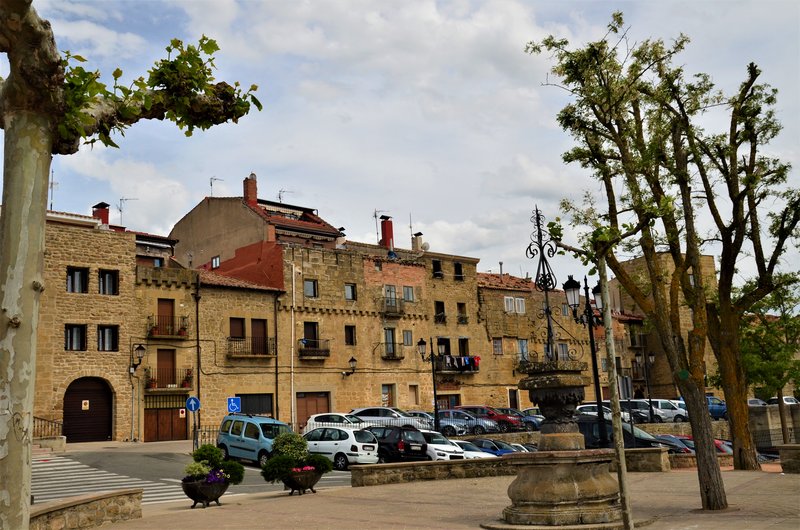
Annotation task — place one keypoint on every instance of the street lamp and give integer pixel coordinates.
(352, 362)
(651, 358)
(432, 358)
(136, 358)
(572, 289)
(545, 280)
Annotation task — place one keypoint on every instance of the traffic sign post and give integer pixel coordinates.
(193, 405)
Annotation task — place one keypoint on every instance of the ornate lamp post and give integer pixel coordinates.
(572, 289)
(651, 358)
(545, 279)
(432, 358)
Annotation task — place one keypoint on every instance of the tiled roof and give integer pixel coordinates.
(218, 280)
(505, 281)
(308, 222)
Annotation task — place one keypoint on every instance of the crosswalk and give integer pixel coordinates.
(56, 477)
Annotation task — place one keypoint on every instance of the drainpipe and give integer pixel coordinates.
(275, 319)
(294, 345)
(196, 296)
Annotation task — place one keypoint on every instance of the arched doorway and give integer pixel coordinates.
(88, 405)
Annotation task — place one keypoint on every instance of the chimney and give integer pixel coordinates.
(387, 233)
(100, 211)
(251, 190)
(416, 242)
(501, 268)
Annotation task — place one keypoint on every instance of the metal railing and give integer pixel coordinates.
(43, 428)
(167, 325)
(314, 347)
(256, 346)
(393, 351)
(393, 306)
(440, 318)
(457, 363)
(161, 378)
(463, 319)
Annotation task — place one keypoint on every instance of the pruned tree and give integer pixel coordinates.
(635, 119)
(49, 104)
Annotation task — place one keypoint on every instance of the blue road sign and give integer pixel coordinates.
(234, 404)
(192, 404)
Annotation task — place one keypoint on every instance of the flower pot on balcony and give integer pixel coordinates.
(203, 492)
(152, 383)
(301, 481)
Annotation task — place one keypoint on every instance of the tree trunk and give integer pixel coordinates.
(735, 388)
(25, 170)
(712, 490)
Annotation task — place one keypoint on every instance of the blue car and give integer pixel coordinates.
(495, 447)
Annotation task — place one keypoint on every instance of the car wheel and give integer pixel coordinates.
(340, 462)
(382, 458)
(478, 430)
(224, 449)
(679, 419)
(530, 426)
(263, 456)
(657, 419)
(448, 430)
(504, 427)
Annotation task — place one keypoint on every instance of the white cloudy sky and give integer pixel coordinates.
(414, 108)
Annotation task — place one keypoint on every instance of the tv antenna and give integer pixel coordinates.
(211, 184)
(121, 205)
(375, 215)
(281, 193)
(53, 185)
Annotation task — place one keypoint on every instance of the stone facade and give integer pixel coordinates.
(87, 511)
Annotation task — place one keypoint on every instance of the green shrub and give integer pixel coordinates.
(196, 471)
(278, 467)
(320, 463)
(234, 471)
(292, 445)
(208, 453)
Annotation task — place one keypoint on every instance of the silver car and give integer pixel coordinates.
(382, 416)
(473, 424)
(447, 426)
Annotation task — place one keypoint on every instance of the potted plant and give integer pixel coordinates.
(292, 464)
(187, 379)
(209, 475)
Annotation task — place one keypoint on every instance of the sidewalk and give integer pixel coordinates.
(756, 499)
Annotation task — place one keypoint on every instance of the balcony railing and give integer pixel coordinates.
(393, 306)
(164, 378)
(458, 363)
(440, 318)
(313, 348)
(392, 351)
(463, 319)
(251, 346)
(167, 326)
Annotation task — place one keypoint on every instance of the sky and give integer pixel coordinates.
(427, 111)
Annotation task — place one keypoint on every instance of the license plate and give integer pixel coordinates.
(368, 447)
(416, 447)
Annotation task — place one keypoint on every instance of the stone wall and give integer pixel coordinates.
(377, 474)
(87, 511)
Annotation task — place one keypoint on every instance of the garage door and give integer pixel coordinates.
(87, 410)
(309, 403)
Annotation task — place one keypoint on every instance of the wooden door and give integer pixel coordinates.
(258, 339)
(165, 369)
(309, 403)
(165, 322)
(88, 406)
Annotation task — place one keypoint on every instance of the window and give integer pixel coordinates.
(310, 334)
(350, 335)
(439, 316)
(463, 346)
(388, 338)
(237, 328)
(109, 282)
(522, 347)
(408, 338)
(107, 338)
(509, 303)
(604, 364)
(158, 262)
(458, 272)
(77, 280)
(462, 313)
(388, 396)
(349, 291)
(251, 431)
(413, 394)
(408, 293)
(215, 262)
(437, 268)
(519, 305)
(378, 265)
(563, 351)
(564, 310)
(310, 288)
(75, 337)
(390, 292)
(497, 346)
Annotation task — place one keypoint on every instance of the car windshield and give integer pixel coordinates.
(637, 432)
(467, 446)
(413, 436)
(271, 430)
(365, 437)
(435, 438)
(353, 419)
(502, 445)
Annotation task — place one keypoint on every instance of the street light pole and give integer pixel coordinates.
(432, 359)
(572, 291)
(649, 360)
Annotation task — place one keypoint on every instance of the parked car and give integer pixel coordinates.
(472, 451)
(440, 448)
(343, 446)
(248, 436)
(679, 439)
(495, 447)
(391, 416)
(633, 436)
(473, 424)
(398, 444)
(636, 414)
(447, 427)
(531, 447)
(504, 421)
(531, 423)
(755, 402)
(787, 400)
(663, 410)
(520, 448)
(591, 408)
(716, 407)
(533, 411)
(334, 419)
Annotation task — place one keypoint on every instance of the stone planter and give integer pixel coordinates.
(203, 492)
(301, 481)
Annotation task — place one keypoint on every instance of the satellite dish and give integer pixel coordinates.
(392, 254)
(425, 246)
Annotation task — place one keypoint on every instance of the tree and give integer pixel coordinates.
(48, 105)
(771, 344)
(635, 119)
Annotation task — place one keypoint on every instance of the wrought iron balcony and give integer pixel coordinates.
(440, 318)
(393, 307)
(392, 351)
(457, 364)
(168, 379)
(167, 326)
(314, 348)
(463, 319)
(251, 346)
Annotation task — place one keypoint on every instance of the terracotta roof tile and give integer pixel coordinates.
(505, 281)
(218, 280)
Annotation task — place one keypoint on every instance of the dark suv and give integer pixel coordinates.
(632, 436)
(398, 444)
(505, 421)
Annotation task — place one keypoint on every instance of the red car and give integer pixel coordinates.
(506, 422)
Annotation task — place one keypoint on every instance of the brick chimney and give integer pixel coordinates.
(251, 190)
(100, 211)
(387, 233)
(416, 242)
